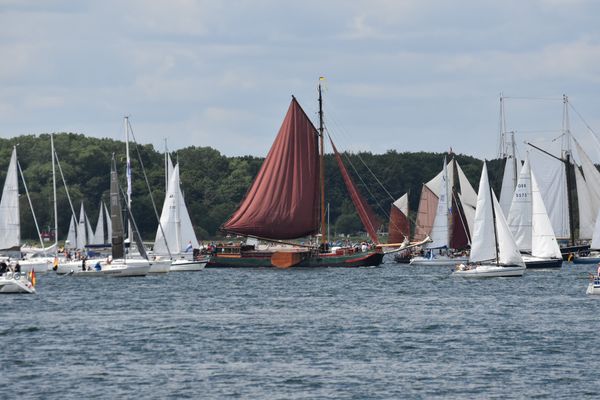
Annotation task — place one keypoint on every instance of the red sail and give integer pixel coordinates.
(399, 226)
(366, 214)
(426, 213)
(459, 236)
(283, 201)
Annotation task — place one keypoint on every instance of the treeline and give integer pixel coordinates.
(213, 184)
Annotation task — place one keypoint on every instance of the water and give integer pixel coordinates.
(371, 333)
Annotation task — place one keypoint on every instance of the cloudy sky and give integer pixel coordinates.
(407, 75)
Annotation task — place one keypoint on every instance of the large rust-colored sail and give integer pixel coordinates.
(459, 231)
(366, 214)
(425, 214)
(399, 226)
(283, 201)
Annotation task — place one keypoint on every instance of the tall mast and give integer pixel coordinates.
(128, 174)
(166, 168)
(514, 156)
(322, 166)
(494, 219)
(54, 195)
(567, 161)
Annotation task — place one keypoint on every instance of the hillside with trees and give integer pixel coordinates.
(213, 184)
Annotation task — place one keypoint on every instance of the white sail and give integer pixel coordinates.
(585, 205)
(508, 185)
(483, 244)
(508, 252)
(468, 197)
(84, 229)
(71, 242)
(402, 204)
(543, 240)
(439, 232)
(175, 222)
(10, 222)
(520, 214)
(99, 233)
(596, 236)
(592, 179)
(108, 224)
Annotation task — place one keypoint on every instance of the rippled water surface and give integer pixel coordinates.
(371, 333)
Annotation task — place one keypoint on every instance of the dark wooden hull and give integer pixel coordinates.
(553, 263)
(308, 260)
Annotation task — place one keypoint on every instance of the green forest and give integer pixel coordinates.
(213, 184)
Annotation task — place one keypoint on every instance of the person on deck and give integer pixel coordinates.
(3, 268)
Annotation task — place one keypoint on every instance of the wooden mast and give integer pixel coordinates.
(322, 167)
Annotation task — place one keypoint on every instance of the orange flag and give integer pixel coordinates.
(32, 277)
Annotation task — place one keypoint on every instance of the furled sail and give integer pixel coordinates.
(10, 223)
(283, 201)
(366, 214)
(118, 248)
(399, 226)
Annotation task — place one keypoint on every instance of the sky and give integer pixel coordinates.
(404, 75)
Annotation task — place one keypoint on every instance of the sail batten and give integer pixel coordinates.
(283, 201)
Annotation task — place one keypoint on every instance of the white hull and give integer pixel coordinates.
(490, 271)
(438, 261)
(39, 265)
(593, 287)
(10, 285)
(116, 268)
(188, 265)
(160, 266)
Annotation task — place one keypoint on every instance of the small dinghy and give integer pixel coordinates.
(17, 283)
(494, 252)
(594, 285)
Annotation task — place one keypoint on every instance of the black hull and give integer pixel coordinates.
(555, 263)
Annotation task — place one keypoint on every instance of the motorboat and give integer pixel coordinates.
(16, 283)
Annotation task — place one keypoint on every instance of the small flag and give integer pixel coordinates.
(32, 277)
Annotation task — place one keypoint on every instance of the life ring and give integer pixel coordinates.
(17, 276)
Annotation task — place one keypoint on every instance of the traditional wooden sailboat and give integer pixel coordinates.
(494, 252)
(530, 225)
(287, 201)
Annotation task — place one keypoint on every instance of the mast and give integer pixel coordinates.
(494, 219)
(567, 161)
(54, 196)
(514, 156)
(322, 166)
(128, 174)
(166, 168)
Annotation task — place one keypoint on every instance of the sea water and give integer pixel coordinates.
(389, 332)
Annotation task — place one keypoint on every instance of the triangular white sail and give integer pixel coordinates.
(439, 232)
(520, 214)
(543, 240)
(483, 244)
(10, 222)
(468, 197)
(175, 222)
(84, 229)
(508, 252)
(596, 236)
(402, 204)
(508, 184)
(99, 233)
(71, 242)
(108, 223)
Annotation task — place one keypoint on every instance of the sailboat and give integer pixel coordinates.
(452, 218)
(175, 234)
(287, 201)
(15, 282)
(116, 265)
(530, 224)
(494, 252)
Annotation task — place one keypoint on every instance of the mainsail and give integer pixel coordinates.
(175, 221)
(283, 201)
(10, 223)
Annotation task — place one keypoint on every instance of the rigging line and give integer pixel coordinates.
(532, 98)
(364, 163)
(75, 219)
(148, 186)
(362, 180)
(526, 131)
(37, 227)
(582, 119)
